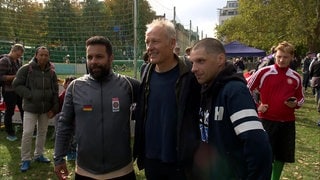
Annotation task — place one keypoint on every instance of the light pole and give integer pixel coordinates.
(75, 59)
(135, 37)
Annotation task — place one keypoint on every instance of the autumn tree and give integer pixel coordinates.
(264, 23)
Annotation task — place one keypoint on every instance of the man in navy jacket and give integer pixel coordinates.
(234, 144)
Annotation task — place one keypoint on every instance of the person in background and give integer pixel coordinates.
(97, 106)
(305, 71)
(294, 64)
(268, 60)
(37, 83)
(314, 78)
(9, 65)
(234, 144)
(281, 93)
(144, 64)
(176, 50)
(71, 154)
(187, 53)
(166, 132)
(239, 65)
(314, 74)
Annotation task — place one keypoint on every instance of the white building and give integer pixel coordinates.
(230, 10)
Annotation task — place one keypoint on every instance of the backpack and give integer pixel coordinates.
(4, 57)
(2, 82)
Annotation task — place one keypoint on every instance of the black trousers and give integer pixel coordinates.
(11, 99)
(157, 170)
(305, 80)
(130, 176)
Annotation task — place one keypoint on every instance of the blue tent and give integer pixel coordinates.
(237, 49)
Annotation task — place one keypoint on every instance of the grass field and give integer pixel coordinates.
(307, 165)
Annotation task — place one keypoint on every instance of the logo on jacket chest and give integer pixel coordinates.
(204, 121)
(289, 81)
(115, 104)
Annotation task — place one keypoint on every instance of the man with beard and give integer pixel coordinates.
(98, 107)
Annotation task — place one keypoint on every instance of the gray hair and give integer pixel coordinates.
(168, 25)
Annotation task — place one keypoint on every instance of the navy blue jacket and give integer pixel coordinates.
(238, 144)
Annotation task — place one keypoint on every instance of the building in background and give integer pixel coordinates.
(229, 11)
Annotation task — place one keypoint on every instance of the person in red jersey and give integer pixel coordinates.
(281, 93)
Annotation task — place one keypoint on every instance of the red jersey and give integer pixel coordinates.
(276, 85)
(61, 99)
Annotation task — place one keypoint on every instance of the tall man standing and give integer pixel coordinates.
(9, 65)
(166, 128)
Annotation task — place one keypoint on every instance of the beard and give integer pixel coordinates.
(99, 72)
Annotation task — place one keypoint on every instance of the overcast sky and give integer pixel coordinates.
(202, 13)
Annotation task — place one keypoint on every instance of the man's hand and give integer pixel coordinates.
(291, 102)
(263, 108)
(61, 171)
(50, 114)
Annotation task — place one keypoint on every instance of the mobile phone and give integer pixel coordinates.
(291, 99)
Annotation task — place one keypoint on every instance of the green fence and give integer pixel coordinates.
(80, 68)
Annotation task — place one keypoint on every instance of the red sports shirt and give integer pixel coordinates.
(276, 85)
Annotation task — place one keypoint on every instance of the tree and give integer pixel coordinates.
(61, 23)
(64, 25)
(122, 16)
(145, 16)
(266, 23)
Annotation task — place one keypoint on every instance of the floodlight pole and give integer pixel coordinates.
(135, 38)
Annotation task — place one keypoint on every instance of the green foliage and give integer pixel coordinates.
(265, 23)
(307, 165)
(64, 25)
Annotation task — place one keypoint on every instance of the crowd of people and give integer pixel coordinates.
(196, 115)
(311, 77)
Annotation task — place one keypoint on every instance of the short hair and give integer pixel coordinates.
(285, 47)
(41, 48)
(101, 40)
(211, 45)
(17, 47)
(70, 78)
(166, 24)
(273, 49)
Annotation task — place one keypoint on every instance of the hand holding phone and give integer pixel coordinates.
(291, 99)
